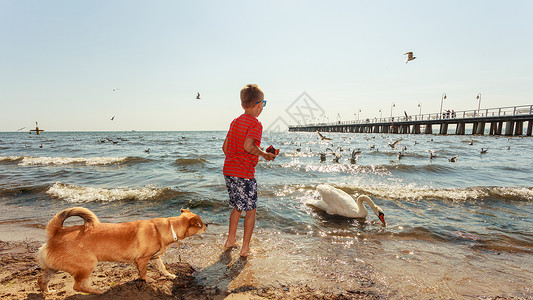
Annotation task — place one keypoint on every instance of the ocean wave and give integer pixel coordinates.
(81, 194)
(448, 194)
(21, 190)
(415, 193)
(346, 167)
(57, 161)
(190, 161)
(10, 159)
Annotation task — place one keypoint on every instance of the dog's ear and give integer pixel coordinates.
(196, 221)
(185, 210)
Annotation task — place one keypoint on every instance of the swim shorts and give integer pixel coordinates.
(242, 192)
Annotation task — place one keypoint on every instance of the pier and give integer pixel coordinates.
(509, 121)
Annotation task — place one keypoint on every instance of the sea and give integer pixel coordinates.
(458, 229)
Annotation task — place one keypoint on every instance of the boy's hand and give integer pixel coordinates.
(268, 156)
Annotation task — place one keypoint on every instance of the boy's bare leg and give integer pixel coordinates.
(249, 223)
(233, 223)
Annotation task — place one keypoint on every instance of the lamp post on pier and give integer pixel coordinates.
(393, 105)
(479, 103)
(358, 114)
(420, 111)
(380, 114)
(441, 100)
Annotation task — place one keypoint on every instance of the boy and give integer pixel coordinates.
(242, 151)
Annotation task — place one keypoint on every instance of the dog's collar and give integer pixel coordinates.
(174, 235)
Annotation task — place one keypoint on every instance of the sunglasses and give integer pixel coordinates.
(264, 102)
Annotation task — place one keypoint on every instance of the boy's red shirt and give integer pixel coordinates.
(238, 162)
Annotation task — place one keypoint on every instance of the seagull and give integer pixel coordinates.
(197, 96)
(322, 157)
(432, 155)
(322, 137)
(114, 90)
(147, 150)
(355, 154)
(113, 118)
(483, 151)
(409, 56)
(336, 156)
(400, 155)
(20, 128)
(453, 159)
(393, 145)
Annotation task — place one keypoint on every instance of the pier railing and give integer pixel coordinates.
(465, 114)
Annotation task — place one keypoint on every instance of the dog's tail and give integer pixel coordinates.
(57, 221)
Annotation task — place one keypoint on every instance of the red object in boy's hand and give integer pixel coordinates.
(271, 149)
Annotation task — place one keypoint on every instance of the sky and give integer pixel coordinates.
(73, 65)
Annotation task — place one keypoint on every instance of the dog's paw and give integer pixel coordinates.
(149, 280)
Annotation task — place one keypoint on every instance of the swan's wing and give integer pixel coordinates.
(338, 202)
(318, 204)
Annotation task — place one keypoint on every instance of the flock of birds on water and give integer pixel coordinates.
(354, 155)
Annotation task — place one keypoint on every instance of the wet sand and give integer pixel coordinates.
(20, 271)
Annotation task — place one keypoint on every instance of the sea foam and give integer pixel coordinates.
(89, 161)
(412, 192)
(81, 194)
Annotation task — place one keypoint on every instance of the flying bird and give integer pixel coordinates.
(20, 128)
(393, 145)
(410, 56)
(113, 118)
(114, 90)
(453, 159)
(322, 137)
(197, 96)
(483, 151)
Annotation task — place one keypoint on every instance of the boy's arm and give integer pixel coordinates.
(251, 147)
(225, 145)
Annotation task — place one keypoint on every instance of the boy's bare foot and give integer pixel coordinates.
(245, 252)
(230, 244)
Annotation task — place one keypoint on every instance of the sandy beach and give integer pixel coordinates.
(19, 272)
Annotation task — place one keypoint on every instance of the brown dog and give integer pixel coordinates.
(77, 249)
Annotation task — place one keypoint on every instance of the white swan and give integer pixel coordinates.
(338, 202)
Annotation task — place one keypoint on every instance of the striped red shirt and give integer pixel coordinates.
(238, 162)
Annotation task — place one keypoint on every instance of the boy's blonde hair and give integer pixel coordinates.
(250, 94)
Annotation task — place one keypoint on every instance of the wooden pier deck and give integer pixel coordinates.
(509, 121)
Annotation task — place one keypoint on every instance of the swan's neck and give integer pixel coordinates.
(366, 199)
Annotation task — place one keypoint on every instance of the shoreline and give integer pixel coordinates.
(20, 271)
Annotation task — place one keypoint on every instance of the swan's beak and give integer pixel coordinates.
(382, 218)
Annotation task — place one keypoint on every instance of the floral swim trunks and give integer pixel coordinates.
(242, 192)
